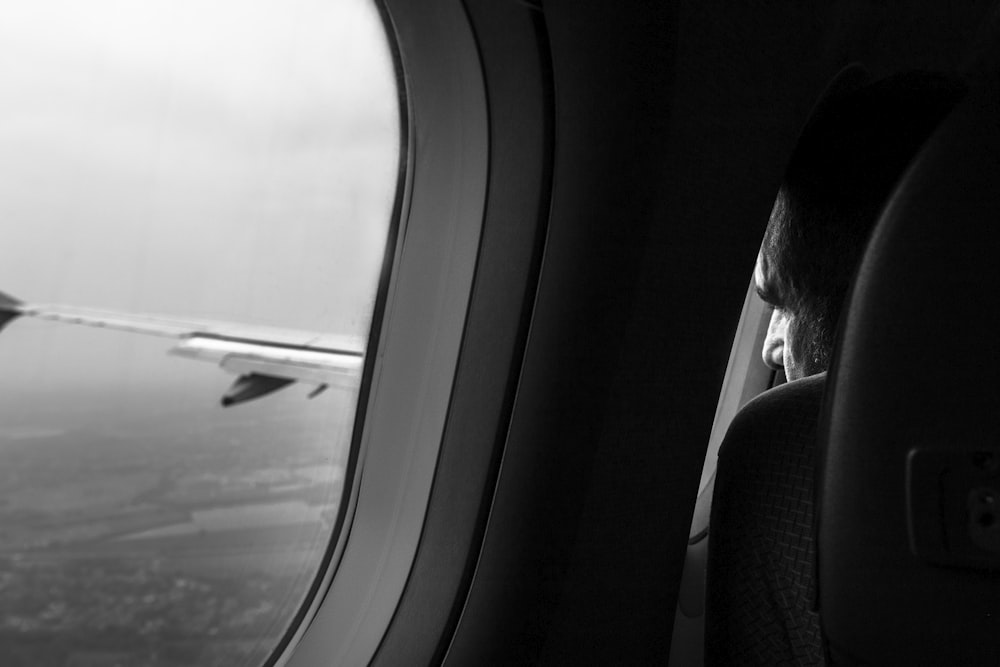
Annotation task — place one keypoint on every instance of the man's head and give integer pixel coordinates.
(851, 154)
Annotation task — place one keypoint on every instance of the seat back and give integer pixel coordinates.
(909, 470)
(760, 575)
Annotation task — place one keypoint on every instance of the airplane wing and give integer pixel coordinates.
(265, 359)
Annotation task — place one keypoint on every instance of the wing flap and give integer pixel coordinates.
(301, 372)
(251, 386)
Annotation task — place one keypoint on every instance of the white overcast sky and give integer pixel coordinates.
(228, 159)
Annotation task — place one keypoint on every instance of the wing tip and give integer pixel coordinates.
(7, 302)
(10, 308)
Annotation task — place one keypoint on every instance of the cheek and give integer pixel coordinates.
(795, 352)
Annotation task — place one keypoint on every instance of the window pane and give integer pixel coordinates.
(231, 161)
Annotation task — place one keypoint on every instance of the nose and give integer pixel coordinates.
(773, 352)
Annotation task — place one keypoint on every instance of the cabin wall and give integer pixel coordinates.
(672, 125)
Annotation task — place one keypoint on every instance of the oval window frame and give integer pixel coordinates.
(423, 308)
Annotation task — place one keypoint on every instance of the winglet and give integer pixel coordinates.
(10, 308)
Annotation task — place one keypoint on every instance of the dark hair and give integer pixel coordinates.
(849, 157)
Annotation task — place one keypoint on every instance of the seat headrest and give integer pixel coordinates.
(908, 545)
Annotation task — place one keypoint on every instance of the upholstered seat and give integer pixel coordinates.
(761, 555)
(909, 457)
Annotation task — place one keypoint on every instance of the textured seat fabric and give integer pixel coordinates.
(760, 581)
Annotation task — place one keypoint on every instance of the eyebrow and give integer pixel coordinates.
(767, 295)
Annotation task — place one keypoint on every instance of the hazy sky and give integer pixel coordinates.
(228, 159)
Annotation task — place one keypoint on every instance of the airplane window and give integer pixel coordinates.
(195, 200)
